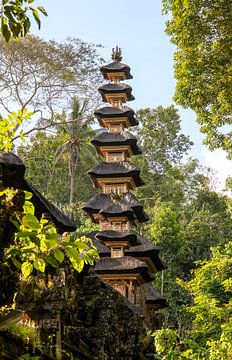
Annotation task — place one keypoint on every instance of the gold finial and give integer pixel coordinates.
(116, 54)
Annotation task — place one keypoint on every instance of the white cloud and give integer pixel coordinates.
(217, 161)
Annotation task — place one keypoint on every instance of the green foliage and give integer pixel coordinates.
(160, 136)
(201, 31)
(37, 243)
(27, 334)
(210, 337)
(47, 159)
(15, 18)
(9, 125)
(185, 234)
(164, 147)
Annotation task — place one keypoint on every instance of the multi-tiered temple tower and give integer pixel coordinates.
(128, 261)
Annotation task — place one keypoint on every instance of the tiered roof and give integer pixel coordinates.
(115, 170)
(112, 235)
(116, 70)
(123, 254)
(106, 139)
(104, 205)
(110, 92)
(114, 114)
(122, 71)
(13, 170)
(154, 298)
(124, 265)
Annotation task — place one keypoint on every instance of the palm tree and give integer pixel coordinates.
(76, 131)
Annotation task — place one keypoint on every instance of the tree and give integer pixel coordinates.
(185, 234)
(160, 137)
(210, 337)
(53, 158)
(43, 76)
(201, 31)
(163, 148)
(77, 132)
(15, 18)
(9, 126)
(207, 224)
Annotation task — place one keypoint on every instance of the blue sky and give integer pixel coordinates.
(138, 28)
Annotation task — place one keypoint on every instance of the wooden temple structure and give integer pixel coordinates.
(128, 261)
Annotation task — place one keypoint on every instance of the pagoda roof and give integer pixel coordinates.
(144, 250)
(115, 139)
(102, 202)
(115, 67)
(102, 249)
(116, 88)
(111, 235)
(115, 112)
(12, 166)
(116, 209)
(130, 199)
(153, 297)
(115, 170)
(97, 203)
(123, 265)
(147, 249)
(13, 170)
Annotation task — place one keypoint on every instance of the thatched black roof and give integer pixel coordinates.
(153, 297)
(114, 112)
(100, 203)
(147, 249)
(102, 249)
(116, 139)
(116, 88)
(97, 203)
(123, 265)
(131, 200)
(11, 167)
(13, 170)
(115, 67)
(111, 235)
(116, 209)
(115, 170)
(143, 250)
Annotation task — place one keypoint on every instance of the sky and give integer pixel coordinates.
(138, 27)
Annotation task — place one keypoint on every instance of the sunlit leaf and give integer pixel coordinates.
(27, 268)
(59, 255)
(39, 264)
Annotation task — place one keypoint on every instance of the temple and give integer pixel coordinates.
(128, 262)
(103, 312)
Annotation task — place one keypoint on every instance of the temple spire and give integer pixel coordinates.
(116, 54)
(117, 177)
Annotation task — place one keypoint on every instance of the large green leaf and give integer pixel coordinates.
(29, 208)
(39, 264)
(72, 253)
(26, 268)
(28, 195)
(78, 265)
(59, 255)
(36, 17)
(50, 243)
(81, 245)
(31, 221)
(5, 29)
(52, 262)
(74, 256)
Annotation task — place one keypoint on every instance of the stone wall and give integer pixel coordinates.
(93, 319)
